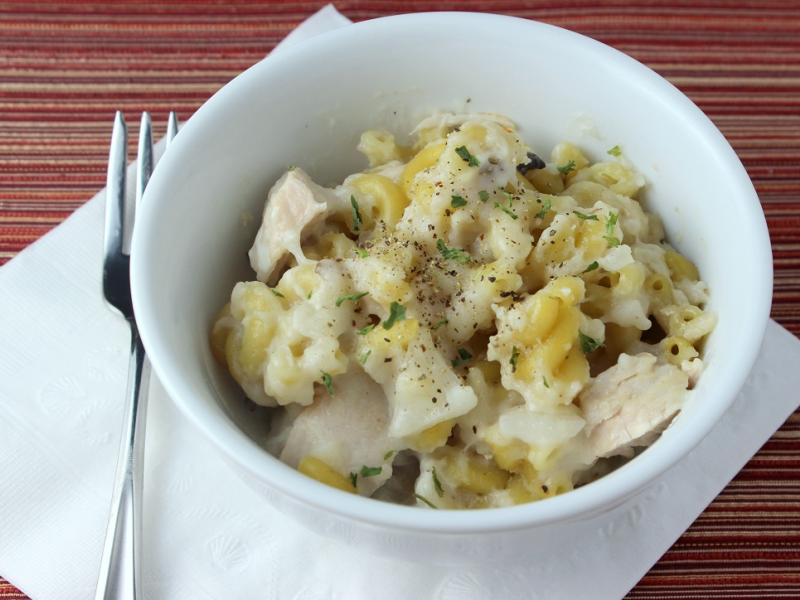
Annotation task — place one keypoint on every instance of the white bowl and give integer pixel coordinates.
(307, 107)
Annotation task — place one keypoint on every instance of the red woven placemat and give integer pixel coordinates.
(65, 66)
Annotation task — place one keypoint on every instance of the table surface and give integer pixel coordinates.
(66, 66)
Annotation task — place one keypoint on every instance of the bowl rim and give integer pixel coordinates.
(598, 496)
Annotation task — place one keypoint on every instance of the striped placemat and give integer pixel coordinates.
(65, 66)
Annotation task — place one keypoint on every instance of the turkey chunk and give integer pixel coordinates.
(630, 403)
(346, 430)
(294, 205)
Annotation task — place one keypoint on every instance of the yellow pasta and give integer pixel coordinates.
(538, 344)
(380, 147)
(331, 245)
(547, 180)
(425, 159)
(432, 438)
(680, 267)
(388, 200)
(324, 473)
(678, 349)
(513, 327)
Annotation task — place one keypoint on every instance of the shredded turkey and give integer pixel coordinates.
(347, 430)
(294, 205)
(629, 403)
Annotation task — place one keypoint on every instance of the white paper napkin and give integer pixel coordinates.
(63, 361)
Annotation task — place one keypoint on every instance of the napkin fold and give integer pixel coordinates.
(63, 366)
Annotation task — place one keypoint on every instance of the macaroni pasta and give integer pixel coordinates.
(464, 314)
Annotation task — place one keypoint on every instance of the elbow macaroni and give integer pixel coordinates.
(482, 292)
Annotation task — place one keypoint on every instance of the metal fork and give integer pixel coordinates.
(120, 568)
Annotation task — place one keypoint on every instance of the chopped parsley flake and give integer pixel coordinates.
(437, 484)
(544, 379)
(463, 357)
(327, 381)
(308, 296)
(397, 312)
(467, 157)
(610, 225)
(365, 330)
(362, 253)
(455, 254)
(439, 324)
(506, 210)
(365, 355)
(483, 195)
(370, 471)
(276, 292)
(354, 297)
(567, 168)
(592, 266)
(588, 344)
(356, 214)
(580, 215)
(457, 201)
(388, 455)
(425, 500)
(514, 359)
(353, 478)
(546, 206)
(615, 151)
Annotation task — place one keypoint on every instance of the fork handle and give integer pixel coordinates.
(120, 567)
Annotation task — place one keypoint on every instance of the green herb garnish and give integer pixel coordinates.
(463, 357)
(615, 151)
(388, 455)
(370, 471)
(514, 359)
(397, 312)
(610, 224)
(308, 296)
(365, 355)
(544, 379)
(580, 215)
(439, 324)
(362, 253)
(546, 206)
(365, 330)
(467, 157)
(506, 210)
(353, 478)
(354, 297)
(483, 195)
(437, 484)
(455, 254)
(327, 381)
(356, 214)
(588, 344)
(567, 168)
(457, 201)
(592, 266)
(425, 500)
(276, 292)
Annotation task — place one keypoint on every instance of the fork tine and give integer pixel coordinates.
(172, 127)
(144, 156)
(114, 240)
